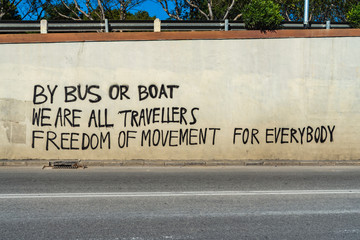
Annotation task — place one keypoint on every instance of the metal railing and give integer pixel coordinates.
(44, 26)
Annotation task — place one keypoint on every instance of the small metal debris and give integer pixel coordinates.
(65, 165)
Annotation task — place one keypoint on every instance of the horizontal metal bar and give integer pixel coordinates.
(18, 31)
(76, 25)
(293, 25)
(321, 25)
(192, 24)
(19, 25)
(94, 26)
(131, 24)
(237, 24)
(192, 29)
(340, 26)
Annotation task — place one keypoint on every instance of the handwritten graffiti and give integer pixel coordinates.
(174, 138)
(300, 135)
(107, 127)
(149, 116)
(72, 141)
(286, 135)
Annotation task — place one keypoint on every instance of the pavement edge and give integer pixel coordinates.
(182, 163)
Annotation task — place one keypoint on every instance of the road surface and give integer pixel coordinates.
(180, 203)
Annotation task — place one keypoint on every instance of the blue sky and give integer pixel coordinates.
(153, 8)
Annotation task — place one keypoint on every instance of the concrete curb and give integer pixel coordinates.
(185, 163)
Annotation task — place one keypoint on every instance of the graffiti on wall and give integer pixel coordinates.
(109, 127)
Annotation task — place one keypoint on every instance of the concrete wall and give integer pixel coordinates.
(287, 98)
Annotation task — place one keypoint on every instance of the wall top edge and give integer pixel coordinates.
(159, 36)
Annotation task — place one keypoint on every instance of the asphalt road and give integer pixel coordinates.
(180, 203)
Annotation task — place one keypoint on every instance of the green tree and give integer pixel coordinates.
(90, 9)
(203, 9)
(60, 12)
(262, 15)
(290, 10)
(140, 15)
(175, 9)
(217, 9)
(353, 16)
(319, 10)
(8, 10)
(116, 14)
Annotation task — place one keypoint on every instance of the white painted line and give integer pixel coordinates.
(177, 194)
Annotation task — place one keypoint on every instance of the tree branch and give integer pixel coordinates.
(211, 15)
(79, 9)
(228, 9)
(198, 8)
(64, 16)
(101, 10)
(165, 7)
(69, 8)
(238, 16)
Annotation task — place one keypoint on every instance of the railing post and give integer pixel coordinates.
(106, 25)
(226, 24)
(306, 14)
(43, 26)
(157, 25)
(328, 24)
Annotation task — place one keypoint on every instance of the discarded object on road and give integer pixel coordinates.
(65, 165)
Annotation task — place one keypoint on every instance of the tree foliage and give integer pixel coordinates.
(319, 10)
(20, 9)
(290, 10)
(203, 9)
(219, 9)
(353, 16)
(262, 15)
(140, 15)
(56, 12)
(87, 9)
(8, 10)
